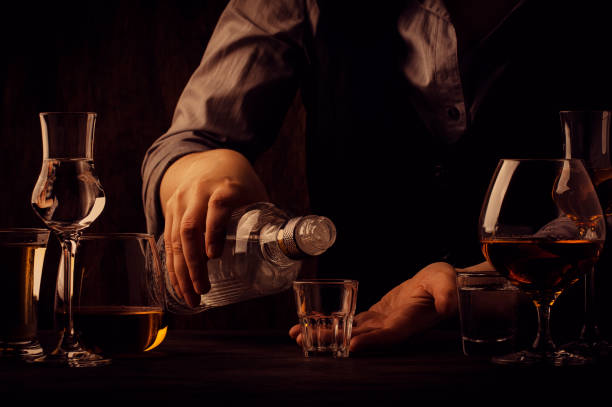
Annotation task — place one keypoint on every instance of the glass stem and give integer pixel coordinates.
(590, 330)
(543, 343)
(69, 246)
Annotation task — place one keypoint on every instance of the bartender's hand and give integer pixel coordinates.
(198, 194)
(412, 307)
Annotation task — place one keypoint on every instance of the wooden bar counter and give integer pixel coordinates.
(267, 368)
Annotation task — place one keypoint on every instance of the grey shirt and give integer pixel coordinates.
(251, 70)
(402, 133)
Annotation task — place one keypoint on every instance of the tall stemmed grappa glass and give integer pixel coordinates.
(542, 226)
(68, 197)
(587, 136)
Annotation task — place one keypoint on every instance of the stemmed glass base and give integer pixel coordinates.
(75, 358)
(26, 351)
(544, 351)
(70, 353)
(596, 349)
(590, 344)
(554, 358)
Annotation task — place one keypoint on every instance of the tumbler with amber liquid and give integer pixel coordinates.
(22, 253)
(119, 297)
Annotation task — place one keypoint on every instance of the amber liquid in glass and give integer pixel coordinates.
(120, 329)
(542, 267)
(19, 285)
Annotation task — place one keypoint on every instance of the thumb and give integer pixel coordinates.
(442, 287)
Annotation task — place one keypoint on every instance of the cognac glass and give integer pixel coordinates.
(542, 227)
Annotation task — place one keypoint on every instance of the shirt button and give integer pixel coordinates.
(453, 113)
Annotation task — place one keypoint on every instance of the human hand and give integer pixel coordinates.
(410, 308)
(198, 193)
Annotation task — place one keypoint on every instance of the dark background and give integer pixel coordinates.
(128, 61)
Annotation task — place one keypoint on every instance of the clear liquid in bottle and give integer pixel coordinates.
(261, 256)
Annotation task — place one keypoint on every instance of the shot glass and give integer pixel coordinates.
(488, 309)
(325, 311)
(22, 252)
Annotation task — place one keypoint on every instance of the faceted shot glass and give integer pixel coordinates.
(488, 309)
(22, 252)
(325, 310)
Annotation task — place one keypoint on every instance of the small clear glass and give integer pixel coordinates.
(326, 309)
(68, 197)
(488, 308)
(22, 252)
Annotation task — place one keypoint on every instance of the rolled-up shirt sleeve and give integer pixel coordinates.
(239, 94)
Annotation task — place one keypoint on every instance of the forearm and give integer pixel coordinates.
(236, 99)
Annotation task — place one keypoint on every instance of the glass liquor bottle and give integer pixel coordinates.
(262, 255)
(587, 136)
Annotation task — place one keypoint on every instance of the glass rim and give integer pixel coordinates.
(552, 159)
(324, 281)
(586, 111)
(479, 275)
(24, 230)
(83, 113)
(18, 236)
(115, 235)
(522, 238)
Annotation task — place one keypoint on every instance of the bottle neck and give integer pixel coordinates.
(286, 239)
(587, 136)
(306, 236)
